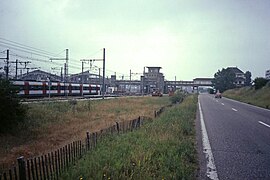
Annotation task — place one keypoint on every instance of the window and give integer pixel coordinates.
(36, 87)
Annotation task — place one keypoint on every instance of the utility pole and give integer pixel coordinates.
(16, 74)
(7, 64)
(103, 79)
(143, 79)
(82, 73)
(7, 59)
(129, 80)
(61, 73)
(103, 86)
(82, 77)
(99, 76)
(65, 78)
(66, 63)
(16, 66)
(65, 69)
(175, 83)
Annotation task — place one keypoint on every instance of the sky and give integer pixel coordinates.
(187, 38)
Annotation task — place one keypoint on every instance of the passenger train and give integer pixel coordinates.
(45, 89)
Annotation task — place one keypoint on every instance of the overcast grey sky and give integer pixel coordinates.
(187, 38)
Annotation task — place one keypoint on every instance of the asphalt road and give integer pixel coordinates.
(239, 139)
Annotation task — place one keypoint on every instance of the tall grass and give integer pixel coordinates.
(163, 149)
(49, 126)
(249, 95)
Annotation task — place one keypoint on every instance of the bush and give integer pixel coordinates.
(178, 96)
(260, 82)
(11, 111)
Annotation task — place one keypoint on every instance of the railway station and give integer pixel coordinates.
(152, 80)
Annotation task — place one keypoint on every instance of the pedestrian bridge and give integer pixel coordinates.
(195, 83)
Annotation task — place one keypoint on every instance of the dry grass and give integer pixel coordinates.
(50, 126)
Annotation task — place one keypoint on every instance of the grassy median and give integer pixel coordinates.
(162, 149)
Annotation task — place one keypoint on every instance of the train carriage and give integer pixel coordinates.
(44, 89)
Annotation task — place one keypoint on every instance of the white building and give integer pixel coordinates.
(267, 74)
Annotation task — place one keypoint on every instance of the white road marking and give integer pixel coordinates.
(267, 125)
(216, 100)
(234, 109)
(247, 104)
(222, 104)
(211, 170)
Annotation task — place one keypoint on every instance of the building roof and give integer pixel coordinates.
(87, 73)
(154, 67)
(234, 70)
(39, 75)
(203, 79)
(37, 72)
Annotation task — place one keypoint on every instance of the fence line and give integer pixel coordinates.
(53, 164)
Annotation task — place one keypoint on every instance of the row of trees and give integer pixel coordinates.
(225, 79)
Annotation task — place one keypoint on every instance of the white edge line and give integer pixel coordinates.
(222, 104)
(264, 124)
(211, 170)
(234, 109)
(251, 105)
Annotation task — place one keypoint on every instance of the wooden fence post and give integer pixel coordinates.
(139, 121)
(80, 149)
(10, 174)
(32, 169)
(28, 169)
(117, 127)
(22, 170)
(15, 173)
(88, 140)
(66, 156)
(96, 138)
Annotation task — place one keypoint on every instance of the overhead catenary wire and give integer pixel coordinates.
(43, 56)
(26, 46)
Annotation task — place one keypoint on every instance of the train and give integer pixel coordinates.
(30, 89)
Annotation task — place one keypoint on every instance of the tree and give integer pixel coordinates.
(224, 80)
(11, 111)
(260, 82)
(248, 78)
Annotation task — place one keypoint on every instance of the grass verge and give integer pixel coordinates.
(249, 95)
(49, 126)
(163, 149)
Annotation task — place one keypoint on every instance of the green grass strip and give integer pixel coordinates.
(260, 97)
(162, 149)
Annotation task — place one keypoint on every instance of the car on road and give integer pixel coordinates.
(218, 95)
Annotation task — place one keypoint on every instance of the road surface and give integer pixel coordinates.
(233, 139)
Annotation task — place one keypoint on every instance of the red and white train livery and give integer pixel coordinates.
(32, 89)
